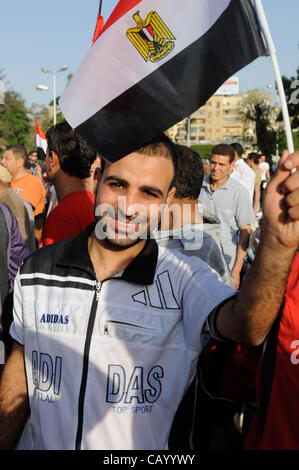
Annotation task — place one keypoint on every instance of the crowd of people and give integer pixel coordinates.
(131, 314)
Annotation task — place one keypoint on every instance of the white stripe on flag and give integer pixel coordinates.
(42, 143)
(113, 64)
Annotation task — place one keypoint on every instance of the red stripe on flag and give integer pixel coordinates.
(98, 28)
(39, 131)
(121, 9)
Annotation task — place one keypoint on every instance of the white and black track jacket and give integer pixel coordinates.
(107, 363)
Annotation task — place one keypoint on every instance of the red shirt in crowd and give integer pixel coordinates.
(72, 215)
(281, 426)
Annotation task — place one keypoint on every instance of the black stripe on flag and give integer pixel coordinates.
(179, 87)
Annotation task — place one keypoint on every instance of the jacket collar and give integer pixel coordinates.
(140, 271)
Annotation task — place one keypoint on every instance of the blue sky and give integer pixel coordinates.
(39, 33)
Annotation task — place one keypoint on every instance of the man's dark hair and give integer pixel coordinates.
(75, 155)
(225, 150)
(20, 151)
(162, 146)
(190, 173)
(255, 157)
(238, 148)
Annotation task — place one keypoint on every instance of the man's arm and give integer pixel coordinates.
(242, 247)
(14, 406)
(249, 317)
(18, 249)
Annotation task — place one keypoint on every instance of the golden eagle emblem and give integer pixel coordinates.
(151, 37)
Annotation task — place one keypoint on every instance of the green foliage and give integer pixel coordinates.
(14, 126)
(17, 123)
(204, 150)
(48, 122)
(14, 120)
(282, 141)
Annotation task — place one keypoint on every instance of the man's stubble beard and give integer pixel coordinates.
(114, 241)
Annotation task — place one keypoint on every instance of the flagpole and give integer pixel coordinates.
(268, 38)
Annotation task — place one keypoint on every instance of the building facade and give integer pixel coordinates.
(219, 120)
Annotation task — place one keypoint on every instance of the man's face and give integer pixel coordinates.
(129, 196)
(33, 157)
(220, 167)
(10, 162)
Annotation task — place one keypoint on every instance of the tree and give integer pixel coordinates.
(282, 141)
(256, 107)
(14, 120)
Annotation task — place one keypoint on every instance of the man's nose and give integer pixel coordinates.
(127, 207)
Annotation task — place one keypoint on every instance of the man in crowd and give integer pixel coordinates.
(265, 174)
(241, 171)
(68, 165)
(108, 318)
(17, 205)
(28, 186)
(228, 200)
(34, 166)
(274, 425)
(253, 162)
(184, 225)
(13, 250)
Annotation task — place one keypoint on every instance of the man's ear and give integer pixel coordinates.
(54, 158)
(170, 196)
(97, 174)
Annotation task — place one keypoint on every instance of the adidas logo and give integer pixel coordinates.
(158, 295)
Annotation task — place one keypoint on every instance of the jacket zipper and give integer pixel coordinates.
(90, 327)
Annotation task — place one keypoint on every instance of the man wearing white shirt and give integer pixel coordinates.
(242, 171)
(265, 173)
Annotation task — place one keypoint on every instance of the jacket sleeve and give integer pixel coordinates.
(18, 251)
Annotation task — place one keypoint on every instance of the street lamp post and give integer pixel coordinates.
(44, 87)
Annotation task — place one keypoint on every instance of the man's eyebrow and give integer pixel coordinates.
(116, 178)
(145, 188)
(152, 189)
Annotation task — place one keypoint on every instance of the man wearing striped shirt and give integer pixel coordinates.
(230, 202)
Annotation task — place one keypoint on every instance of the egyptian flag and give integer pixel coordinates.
(99, 24)
(154, 63)
(41, 141)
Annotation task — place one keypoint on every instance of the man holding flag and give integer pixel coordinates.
(114, 326)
